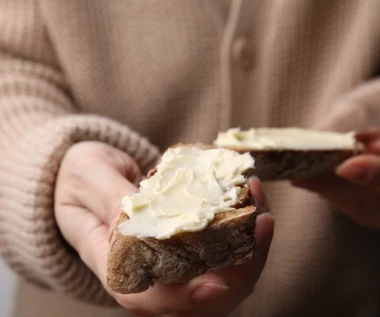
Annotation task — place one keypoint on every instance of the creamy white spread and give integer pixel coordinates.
(285, 138)
(190, 186)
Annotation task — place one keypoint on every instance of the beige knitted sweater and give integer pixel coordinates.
(171, 71)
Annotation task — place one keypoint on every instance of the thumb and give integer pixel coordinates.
(212, 294)
(242, 278)
(249, 272)
(264, 233)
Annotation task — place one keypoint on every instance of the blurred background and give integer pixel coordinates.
(7, 290)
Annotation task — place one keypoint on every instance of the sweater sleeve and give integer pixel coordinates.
(38, 123)
(358, 110)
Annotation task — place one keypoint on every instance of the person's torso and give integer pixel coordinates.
(182, 71)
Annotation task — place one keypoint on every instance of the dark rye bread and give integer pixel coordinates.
(299, 153)
(135, 264)
(292, 153)
(297, 164)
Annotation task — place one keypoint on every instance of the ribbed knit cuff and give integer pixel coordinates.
(30, 241)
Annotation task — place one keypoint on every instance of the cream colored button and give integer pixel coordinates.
(242, 52)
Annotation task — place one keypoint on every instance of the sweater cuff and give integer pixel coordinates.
(30, 241)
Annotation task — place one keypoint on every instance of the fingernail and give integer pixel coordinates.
(264, 234)
(207, 292)
(357, 174)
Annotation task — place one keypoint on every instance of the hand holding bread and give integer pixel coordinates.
(93, 178)
(356, 192)
(173, 249)
(344, 168)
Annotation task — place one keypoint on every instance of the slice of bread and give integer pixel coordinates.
(136, 263)
(291, 153)
(298, 164)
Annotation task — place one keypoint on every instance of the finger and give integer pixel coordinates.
(103, 195)
(162, 299)
(357, 202)
(373, 147)
(361, 170)
(371, 140)
(113, 157)
(104, 191)
(212, 294)
(259, 199)
(87, 235)
(96, 176)
(96, 185)
(242, 278)
(263, 233)
(231, 284)
(368, 136)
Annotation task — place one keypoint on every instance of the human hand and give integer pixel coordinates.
(93, 178)
(356, 190)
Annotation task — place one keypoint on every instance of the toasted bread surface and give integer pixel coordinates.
(296, 156)
(135, 264)
(297, 164)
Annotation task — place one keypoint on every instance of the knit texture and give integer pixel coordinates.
(70, 70)
(37, 125)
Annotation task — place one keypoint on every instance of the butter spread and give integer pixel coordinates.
(285, 138)
(190, 186)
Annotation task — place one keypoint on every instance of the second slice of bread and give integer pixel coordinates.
(299, 157)
(297, 164)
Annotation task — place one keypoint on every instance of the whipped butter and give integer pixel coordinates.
(285, 138)
(190, 186)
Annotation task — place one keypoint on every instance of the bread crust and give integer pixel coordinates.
(271, 165)
(135, 264)
(298, 164)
